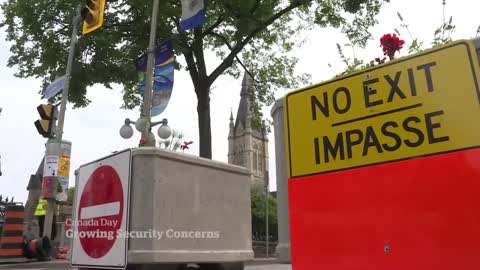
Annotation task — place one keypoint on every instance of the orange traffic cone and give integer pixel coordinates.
(40, 249)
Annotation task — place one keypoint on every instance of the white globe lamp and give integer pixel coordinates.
(142, 124)
(164, 131)
(126, 131)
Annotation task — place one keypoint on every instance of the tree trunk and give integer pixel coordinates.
(204, 130)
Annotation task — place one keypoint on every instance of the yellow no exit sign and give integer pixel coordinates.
(424, 104)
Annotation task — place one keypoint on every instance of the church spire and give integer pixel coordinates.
(246, 146)
(244, 114)
(246, 84)
(232, 126)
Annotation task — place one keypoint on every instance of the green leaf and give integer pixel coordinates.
(262, 34)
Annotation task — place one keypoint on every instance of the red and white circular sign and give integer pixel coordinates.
(100, 211)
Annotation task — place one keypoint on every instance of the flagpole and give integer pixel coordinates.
(147, 97)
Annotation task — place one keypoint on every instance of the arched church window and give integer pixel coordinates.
(260, 162)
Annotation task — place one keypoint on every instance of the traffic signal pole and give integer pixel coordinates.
(61, 118)
(71, 54)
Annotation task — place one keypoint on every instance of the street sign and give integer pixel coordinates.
(54, 87)
(101, 212)
(383, 165)
(411, 107)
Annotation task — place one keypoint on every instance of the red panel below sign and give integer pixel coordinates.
(417, 214)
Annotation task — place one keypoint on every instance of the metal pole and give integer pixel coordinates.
(71, 54)
(266, 218)
(47, 229)
(147, 98)
(267, 192)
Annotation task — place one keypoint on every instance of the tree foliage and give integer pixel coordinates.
(254, 34)
(259, 210)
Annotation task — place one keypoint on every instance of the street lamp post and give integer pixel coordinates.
(144, 124)
(147, 97)
(164, 131)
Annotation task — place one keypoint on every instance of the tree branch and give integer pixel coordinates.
(255, 7)
(199, 56)
(212, 27)
(181, 42)
(236, 56)
(229, 59)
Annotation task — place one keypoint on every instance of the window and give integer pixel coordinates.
(255, 157)
(260, 163)
(254, 161)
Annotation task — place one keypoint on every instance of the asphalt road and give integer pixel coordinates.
(62, 265)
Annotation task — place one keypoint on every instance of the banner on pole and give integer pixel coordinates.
(163, 76)
(193, 15)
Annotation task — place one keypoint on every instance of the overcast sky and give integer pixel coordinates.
(93, 131)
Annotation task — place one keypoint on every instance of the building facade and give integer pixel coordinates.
(247, 146)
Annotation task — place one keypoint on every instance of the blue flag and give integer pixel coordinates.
(193, 14)
(162, 76)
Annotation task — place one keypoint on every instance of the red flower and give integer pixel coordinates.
(390, 44)
(185, 145)
(143, 141)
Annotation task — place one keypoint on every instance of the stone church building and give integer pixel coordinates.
(248, 146)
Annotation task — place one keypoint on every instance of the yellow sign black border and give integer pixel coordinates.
(469, 46)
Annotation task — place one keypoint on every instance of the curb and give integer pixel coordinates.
(15, 261)
(25, 263)
(29, 263)
(263, 261)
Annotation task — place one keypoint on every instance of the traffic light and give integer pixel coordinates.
(92, 15)
(47, 124)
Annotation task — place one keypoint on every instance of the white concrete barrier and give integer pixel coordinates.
(201, 207)
(283, 247)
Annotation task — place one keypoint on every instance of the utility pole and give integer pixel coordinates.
(61, 118)
(147, 97)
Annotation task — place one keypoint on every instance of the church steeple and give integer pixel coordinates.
(232, 125)
(246, 84)
(244, 114)
(247, 147)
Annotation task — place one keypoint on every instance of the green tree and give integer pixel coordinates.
(259, 210)
(252, 34)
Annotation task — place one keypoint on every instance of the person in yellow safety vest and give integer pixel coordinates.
(41, 212)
